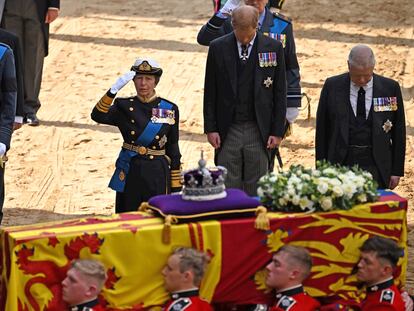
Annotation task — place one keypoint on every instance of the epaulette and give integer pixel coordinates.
(387, 295)
(282, 17)
(286, 303)
(3, 48)
(180, 304)
(5, 45)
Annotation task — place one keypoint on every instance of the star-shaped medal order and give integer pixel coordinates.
(387, 126)
(268, 82)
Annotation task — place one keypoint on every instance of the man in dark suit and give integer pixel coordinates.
(29, 20)
(13, 42)
(245, 100)
(272, 24)
(360, 120)
(8, 94)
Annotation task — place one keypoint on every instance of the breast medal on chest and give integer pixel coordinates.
(160, 115)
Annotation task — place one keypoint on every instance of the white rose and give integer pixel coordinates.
(326, 203)
(337, 190)
(329, 171)
(322, 188)
(362, 197)
(260, 192)
(316, 173)
(296, 200)
(291, 191)
(305, 203)
(335, 182)
(349, 190)
(306, 177)
(367, 174)
(282, 201)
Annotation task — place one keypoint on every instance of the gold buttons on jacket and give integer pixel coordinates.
(132, 121)
(153, 147)
(157, 137)
(132, 132)
(151, 157)
(131, 108)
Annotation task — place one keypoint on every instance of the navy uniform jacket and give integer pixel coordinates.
(13, 42)
(131, 116)
(220, 89)
(271, 26)
(8, 94)
(332, 125)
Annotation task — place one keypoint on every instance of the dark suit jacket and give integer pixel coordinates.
(42, 7)
(8, 94)
(332, 125)
(14, 43)
(218, 27)
(220, 89)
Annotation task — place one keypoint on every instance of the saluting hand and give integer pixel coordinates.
(122, 81)
(214, 139)
(229, 6)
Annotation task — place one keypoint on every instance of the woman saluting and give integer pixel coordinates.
(149, 161)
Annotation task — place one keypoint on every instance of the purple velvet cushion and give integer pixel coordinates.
(236, 201)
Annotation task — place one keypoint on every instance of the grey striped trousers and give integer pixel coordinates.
(244, 156)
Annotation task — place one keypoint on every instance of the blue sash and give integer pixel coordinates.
(152, 129)
(3, 50)
(122, 164)
(278, 26)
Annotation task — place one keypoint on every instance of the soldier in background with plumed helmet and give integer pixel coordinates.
(149, 161)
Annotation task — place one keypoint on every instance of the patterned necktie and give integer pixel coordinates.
(361, 104)
(244, 52)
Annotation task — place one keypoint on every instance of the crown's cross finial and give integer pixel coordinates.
(202, 163)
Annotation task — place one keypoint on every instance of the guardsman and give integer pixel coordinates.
(289, 267)
(378, 260)
(182, 277)
(82, 285)
(149, 161)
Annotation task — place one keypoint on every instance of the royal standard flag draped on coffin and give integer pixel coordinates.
(35, 258)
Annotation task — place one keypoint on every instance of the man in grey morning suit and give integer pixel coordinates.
(360, 120)
(244, 99)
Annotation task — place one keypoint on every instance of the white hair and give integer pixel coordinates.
(361, 56)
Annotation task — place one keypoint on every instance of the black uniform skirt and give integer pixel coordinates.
(146, 178)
